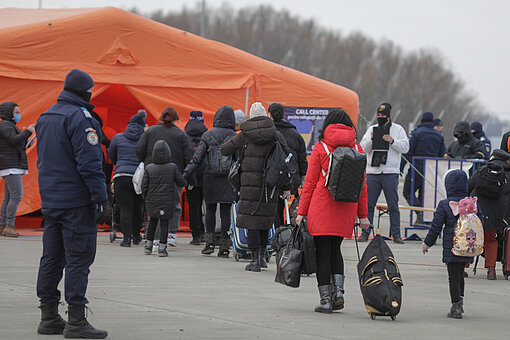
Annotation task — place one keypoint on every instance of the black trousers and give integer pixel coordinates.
(258, 238)
(163, 227)
(130, 205)
(210, 218)
(195, 198)
(456, 280)
(329, 258)
(418, 187)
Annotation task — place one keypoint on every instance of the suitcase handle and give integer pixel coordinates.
(287, 211)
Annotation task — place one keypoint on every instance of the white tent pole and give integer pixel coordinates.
(246, 102)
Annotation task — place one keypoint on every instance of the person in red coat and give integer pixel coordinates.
(329, 221)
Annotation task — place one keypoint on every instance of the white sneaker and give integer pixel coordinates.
(172, 240)
(155, 245)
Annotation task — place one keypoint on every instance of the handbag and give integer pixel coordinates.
(137, 178)
(288, 270)
(234, 175)
(307, 246)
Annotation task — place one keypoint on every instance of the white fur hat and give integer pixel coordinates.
(257, 110)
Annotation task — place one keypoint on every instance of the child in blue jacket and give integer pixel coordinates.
(456, 183)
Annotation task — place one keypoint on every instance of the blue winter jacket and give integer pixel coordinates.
(69, 155)
(425, 142)
(456, 183)
(122, 151)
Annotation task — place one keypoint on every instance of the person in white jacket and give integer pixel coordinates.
(384, 144)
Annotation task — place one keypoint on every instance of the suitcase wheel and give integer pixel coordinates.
(372, 316)
(237, 257)
(393, 317)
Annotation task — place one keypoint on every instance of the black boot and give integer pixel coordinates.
(262, 257)
(326, 305)
(51, 321)
(137, 239)
(77, 325)
(455, 311)
(224, 248)
(209, 244)
(195, 241)
(338, 291)
(126, 242)
(254, 265)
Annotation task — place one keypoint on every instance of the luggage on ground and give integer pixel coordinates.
(346, 173)
(380, 279)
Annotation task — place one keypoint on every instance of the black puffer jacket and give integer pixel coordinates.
(158, 182)
(194, 130)
(12, 140)
(173, 136)
(296, 143)
(468, 147)
(493, 210)
(258, 134)
(217, 189)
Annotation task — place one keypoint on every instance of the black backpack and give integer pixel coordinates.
(491, 179)
(217, 164)
(280, 165)
(346, 173)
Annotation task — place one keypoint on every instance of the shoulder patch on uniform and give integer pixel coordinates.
(488, 148)
(89, 130)
(92, 138)
(86, 113)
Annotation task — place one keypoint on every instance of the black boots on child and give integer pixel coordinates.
(77, 325)
(262, 256)
(224, 248)
(51, 321)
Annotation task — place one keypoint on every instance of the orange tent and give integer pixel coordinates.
(138, 63)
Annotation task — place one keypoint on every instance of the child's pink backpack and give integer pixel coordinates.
(468, 239)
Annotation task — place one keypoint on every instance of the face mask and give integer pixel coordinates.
(17, 117)
(463, 138)
(382, 120)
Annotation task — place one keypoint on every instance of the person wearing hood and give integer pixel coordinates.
(194, 129)
(466, 146)
(384, 145)
(13, 164)
(73, 200)
(494, 209)
(456, 183)
(424, 142)
(217, 188)
(160, 178)
(181, 155)
(123, 155)
(296, 144)
(255, 211)
(477, 131)
(323, 212)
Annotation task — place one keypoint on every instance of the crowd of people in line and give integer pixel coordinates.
(74, 195)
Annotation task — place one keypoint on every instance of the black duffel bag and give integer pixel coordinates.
(307, 246)
(289, 266)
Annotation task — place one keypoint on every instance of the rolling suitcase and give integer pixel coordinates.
(239, 237)
(380, 279)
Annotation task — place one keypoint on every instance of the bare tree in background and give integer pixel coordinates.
(378, 71)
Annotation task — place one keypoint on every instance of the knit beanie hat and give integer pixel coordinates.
(385, 109)
(427, 117)
(239, 116)
(196, 115)
(437, 122)
(78, 80)
(257, 110)
(139, 118)
(477, 126)
(276, 111)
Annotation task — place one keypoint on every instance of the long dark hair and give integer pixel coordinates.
(336, 116)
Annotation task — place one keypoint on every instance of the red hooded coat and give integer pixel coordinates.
(326, 216)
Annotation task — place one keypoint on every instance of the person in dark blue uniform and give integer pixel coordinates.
(73, 199)
(477, 131)
(425, 142)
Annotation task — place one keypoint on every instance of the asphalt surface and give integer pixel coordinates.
(191, 296)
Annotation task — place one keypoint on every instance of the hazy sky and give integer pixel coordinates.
(472, 35)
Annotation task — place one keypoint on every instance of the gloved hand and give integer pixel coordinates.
(102, 212)
(424, 248)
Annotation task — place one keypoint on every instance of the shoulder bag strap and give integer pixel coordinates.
(324, 173)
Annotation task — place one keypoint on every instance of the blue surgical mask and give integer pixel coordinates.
(17, 117)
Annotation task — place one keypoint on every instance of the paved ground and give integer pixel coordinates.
(190, 296)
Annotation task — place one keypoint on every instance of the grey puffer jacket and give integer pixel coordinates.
(217, 189)
(158, 182)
